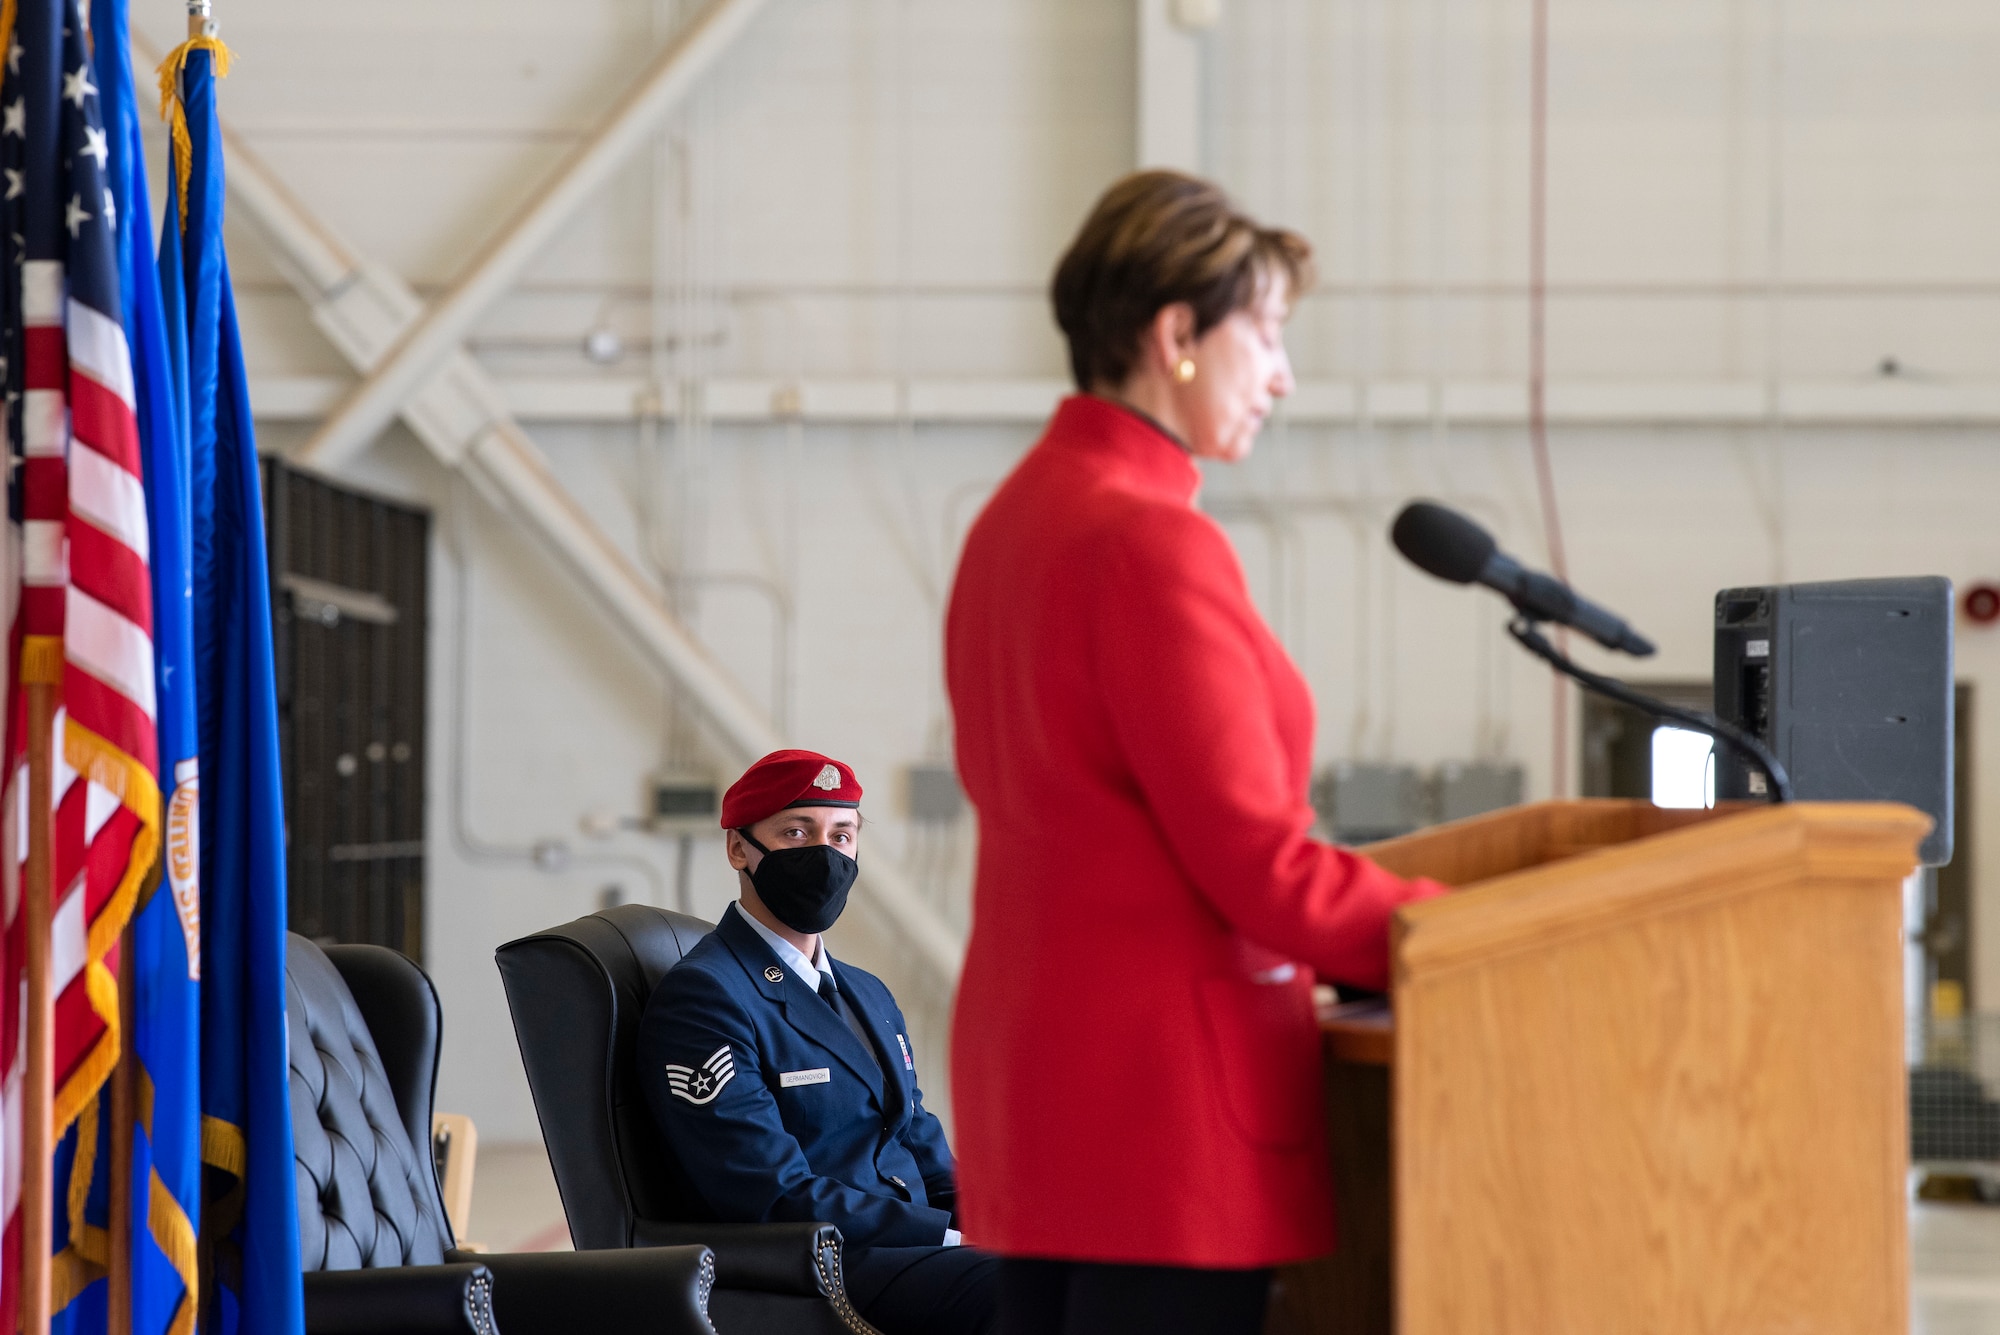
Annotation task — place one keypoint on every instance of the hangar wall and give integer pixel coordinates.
(1750, 202)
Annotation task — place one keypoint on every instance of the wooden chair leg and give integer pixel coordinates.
(455, 1147)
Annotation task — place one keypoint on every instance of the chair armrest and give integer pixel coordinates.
(410, 1299)
(801, 1259)
(661, 1290)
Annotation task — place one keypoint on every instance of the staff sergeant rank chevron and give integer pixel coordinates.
(703, 1085)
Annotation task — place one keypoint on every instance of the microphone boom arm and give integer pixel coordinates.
(1523, 630)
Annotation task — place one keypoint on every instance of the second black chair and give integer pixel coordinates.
(577, 993)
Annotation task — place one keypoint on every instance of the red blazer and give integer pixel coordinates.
(1135, 1064)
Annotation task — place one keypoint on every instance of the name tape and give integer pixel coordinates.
(819, 1075)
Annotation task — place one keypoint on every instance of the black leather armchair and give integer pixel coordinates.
(577, 992)
(373, 1238)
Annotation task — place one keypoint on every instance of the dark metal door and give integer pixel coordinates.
(348, 594)
(1947, 937)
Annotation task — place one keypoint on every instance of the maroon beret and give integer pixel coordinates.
(788, 779)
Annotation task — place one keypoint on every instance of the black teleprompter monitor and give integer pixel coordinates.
(1850, 683)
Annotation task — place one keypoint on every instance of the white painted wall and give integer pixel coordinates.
(879, 188)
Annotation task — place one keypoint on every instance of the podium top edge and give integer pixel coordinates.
(1534, 873)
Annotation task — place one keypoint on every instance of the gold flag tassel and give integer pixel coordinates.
(172, 110)
(9, 10)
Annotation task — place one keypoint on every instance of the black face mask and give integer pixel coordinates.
(806, 888)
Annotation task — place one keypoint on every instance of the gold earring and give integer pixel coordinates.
(1184, 370)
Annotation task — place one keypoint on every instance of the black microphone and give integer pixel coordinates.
(1447, 544)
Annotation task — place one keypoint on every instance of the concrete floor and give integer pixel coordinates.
(1954, 1271)
(515, 1207)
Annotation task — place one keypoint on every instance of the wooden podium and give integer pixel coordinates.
(1645, 1074)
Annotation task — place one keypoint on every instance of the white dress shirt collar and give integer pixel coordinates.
(787, 953)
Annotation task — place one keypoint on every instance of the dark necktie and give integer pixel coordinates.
(831, 995)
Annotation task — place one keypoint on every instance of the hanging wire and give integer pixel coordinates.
(1774, 294)
(1440, 363)
(1363, 337)
(1485, 727)
(1288, 561)
(1538, 416)
(926, 558)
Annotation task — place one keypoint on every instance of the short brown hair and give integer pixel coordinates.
(1155, 238)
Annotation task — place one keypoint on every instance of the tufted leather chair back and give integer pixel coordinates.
(363, 1023)
(577, 992)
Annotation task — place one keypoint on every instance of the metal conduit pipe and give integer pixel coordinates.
(442, 328)
(547, 854)
(782, 620)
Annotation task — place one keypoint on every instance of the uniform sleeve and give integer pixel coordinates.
(699, 1066)
(1175, 651)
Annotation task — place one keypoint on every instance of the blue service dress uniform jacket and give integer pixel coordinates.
(776, 1111)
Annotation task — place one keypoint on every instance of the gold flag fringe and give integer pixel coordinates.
(223, 1145)
(97, 760)
(172, 109)
(174, 1233)
(172, 1230)
(41, 655)
(8, 12)
(84, 1261)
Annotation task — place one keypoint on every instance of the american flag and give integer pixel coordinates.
(77, 582)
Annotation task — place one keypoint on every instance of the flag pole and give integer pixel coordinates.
(38, 1095)
(118, 1320)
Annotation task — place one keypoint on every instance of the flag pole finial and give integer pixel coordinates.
(201, 18)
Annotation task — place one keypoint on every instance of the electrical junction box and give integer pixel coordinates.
(1850, 685)
(683, 804)
(1473, 789)
(1361, 803)
(935, 797)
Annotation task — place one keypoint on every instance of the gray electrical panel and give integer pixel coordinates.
(935, 797)
(682, 803)
(1474, 789)
(1361, 803)
(1850, 685)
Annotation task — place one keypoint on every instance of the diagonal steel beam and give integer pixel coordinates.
(461, 417)
(436, 335)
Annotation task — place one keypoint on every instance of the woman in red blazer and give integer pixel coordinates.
(1135, 1061)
